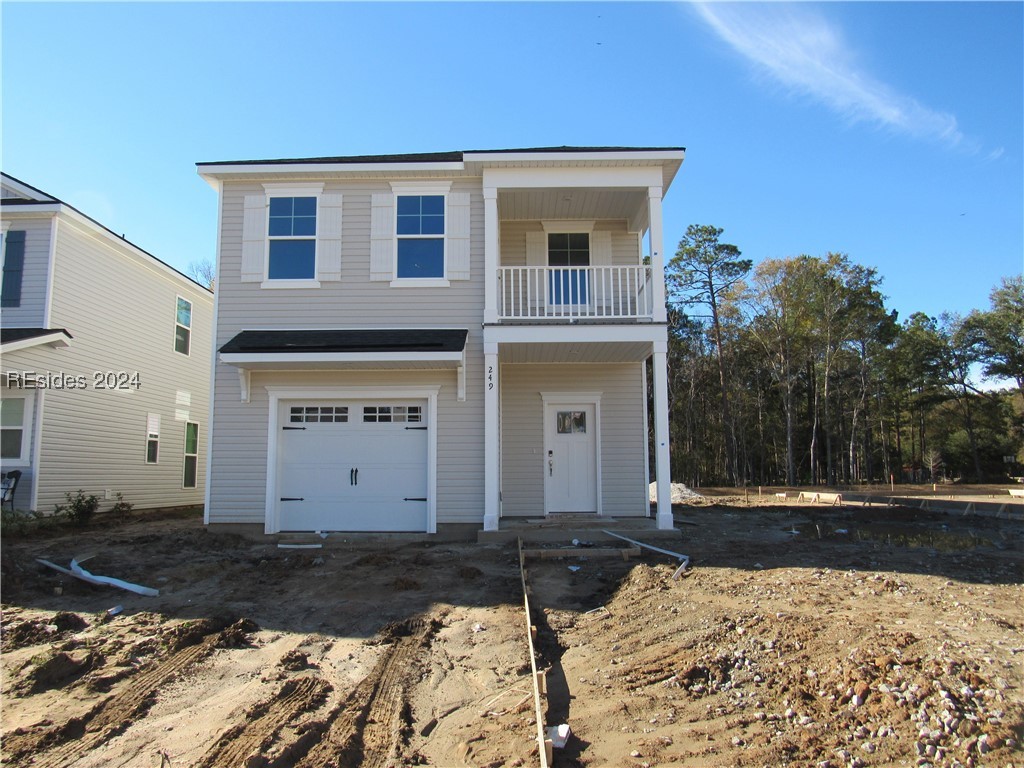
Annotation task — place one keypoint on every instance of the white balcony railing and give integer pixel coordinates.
(568, 293)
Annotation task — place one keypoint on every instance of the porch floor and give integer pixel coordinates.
(588, 528)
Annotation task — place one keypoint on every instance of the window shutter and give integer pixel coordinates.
(536, 249)
(382, 236)
(457, 229)
(329, 238)
(254, 238)
(14, 267)
(601, 249)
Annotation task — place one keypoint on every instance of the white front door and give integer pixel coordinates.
(570, 457)
(352, 465)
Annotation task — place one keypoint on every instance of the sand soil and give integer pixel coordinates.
(814, 637)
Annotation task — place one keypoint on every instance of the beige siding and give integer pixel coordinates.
(32, 312)
(355, 301)
(237, 492)
(513, 241)
(238, 488)
(120, 309)
(623, 442)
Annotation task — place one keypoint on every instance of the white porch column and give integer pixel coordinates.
(490, 255)
(662, 468)
(657, 253)
(492, 445)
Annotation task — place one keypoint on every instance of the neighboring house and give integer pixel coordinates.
(407, 341)
(105, 367)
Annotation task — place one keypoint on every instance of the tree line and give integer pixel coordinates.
(794, 371)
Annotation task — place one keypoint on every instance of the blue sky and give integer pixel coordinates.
(888, 131)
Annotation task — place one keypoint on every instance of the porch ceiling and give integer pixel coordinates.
(572, 203)
(575, 352)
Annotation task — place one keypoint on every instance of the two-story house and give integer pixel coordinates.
(105, 367)
(407, 341)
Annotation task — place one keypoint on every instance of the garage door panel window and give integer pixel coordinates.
(337, 414)
(386, 414)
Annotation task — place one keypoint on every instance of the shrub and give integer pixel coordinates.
(121, 509)
(79, 508)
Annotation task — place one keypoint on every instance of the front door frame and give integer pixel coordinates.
(572, 398)
(272, 522)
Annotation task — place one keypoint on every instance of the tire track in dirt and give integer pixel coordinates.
(60, 745)
(366, 728)
(264, 722)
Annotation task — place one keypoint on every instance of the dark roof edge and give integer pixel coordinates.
(433, 157)
(107, 229)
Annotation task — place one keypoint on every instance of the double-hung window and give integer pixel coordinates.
(15, 428)
(152, 438)
(420, 231)
(183, 326)
(191, 468)
(292, 234)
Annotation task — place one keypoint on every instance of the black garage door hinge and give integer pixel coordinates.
(408, 499)
(292, 498)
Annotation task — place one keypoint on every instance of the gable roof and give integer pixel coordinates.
(43, 201)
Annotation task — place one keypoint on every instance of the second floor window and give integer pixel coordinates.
(420, 230)
(183, 326)
(292, 231)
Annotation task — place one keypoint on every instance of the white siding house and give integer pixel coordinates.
(105, 368)
(408, 341)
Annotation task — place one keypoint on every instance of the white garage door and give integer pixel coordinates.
(352, 465)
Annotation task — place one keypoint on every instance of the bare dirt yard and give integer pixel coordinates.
(803, 636)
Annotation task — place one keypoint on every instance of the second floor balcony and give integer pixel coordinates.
(566, 294)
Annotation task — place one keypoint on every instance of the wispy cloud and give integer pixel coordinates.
(806, 54)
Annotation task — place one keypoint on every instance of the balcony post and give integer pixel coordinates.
(662, 463)
(492, 442)
(490, 255)
(657, 253)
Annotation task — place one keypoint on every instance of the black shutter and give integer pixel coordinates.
(14, 265)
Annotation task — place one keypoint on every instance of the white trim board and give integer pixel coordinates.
(272, 516)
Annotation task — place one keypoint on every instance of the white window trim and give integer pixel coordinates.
(567, 226)
(145, 454)
(174, 339)
(185, 454)
(413, 189)
(292, 190)
(27, 418)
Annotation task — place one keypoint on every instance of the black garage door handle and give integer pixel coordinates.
(408, 499)
(291, 498)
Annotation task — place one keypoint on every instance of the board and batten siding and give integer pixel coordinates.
(32, 311)
(120, 308)
(623, 433)
(239, 447)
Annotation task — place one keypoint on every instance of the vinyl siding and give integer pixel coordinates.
(237, 488)
(513, 241)
(623, 481)
(120, 309)
(32, 312)
(354, 301)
